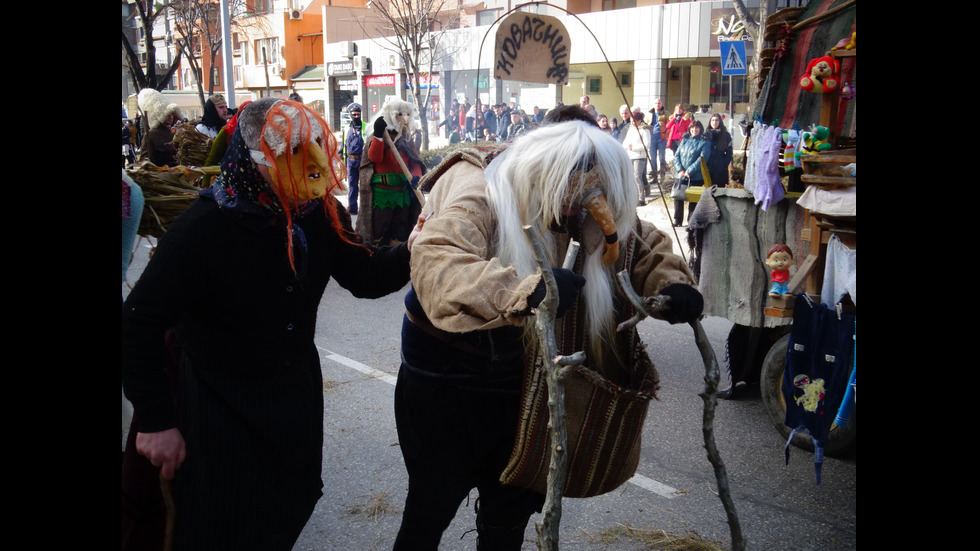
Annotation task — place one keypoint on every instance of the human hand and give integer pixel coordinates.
(686, 303)
(417, 229)
(164, 449)
(379, 127)
(568, 283)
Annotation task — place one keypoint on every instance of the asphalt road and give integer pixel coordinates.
(779, 505)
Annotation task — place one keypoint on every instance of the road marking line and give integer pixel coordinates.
(648, 484)
(652, 485)
(366, 369)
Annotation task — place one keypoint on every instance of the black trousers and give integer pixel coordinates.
(679, 211)
(455, 439)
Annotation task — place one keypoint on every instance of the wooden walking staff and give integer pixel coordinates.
(556, 368)
(644, 307)
(401, 163)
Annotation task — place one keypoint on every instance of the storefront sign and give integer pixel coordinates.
(379, 80)
(727, 26)
(425, 81)
(341, 68)
(348, 84)
(532, 48)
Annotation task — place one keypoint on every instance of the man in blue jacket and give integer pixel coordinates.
(353, 148)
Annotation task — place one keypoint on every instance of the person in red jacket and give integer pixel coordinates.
(394, 204)
(677, 124)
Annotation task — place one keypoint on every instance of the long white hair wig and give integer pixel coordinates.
(543, 173)
(398, 115)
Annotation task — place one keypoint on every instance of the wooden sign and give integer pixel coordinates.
(532, 48)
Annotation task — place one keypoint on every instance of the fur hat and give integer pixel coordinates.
(218, 99)
(252, 120)
(156, 107)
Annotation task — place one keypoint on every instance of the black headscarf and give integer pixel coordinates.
(211, 118)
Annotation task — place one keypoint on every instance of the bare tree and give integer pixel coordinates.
(756, 28)
(147, 11)
(414, 31)
(198, 26)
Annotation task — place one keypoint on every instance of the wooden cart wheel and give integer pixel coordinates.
(842, 440)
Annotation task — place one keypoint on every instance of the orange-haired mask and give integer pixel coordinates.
(304, 165)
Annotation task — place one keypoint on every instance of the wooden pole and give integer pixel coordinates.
(644, 307)
(556, 368)
(401, 162)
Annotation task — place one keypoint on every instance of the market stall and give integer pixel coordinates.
(799, 191)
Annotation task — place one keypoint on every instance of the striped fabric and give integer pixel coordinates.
(782, 102)
(604, 413)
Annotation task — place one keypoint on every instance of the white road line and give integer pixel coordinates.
(366, 369)
(652, 485)
(648, 484)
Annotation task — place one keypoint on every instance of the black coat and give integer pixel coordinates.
(251, 394)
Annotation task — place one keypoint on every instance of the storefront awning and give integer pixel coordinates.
(308, 73)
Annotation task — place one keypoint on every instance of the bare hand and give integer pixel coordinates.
(418, 228)
(164, 449)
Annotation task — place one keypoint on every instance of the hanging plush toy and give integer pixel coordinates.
(821, 75)
(791, 138)
(814, 141)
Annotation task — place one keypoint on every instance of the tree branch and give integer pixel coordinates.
(556, 368)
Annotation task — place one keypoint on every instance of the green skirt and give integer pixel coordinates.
(391, 191)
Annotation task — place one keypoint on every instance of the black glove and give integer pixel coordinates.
(379, 127)
(686, 303)
(415, 182)
(568, 285)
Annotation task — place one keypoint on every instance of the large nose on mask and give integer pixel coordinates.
(306, 176)
(600, 211)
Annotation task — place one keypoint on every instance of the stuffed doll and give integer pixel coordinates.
(814, 141)
(821, 75)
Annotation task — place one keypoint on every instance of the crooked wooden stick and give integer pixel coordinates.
(556, 369)
(645, 307)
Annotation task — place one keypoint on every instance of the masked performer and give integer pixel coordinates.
(158, 143)
(468, 341)
(239, 276)
(388, 206)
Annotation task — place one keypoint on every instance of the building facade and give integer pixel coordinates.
(638, 54)
(333, 52)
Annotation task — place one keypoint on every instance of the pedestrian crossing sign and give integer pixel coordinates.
(733, 57)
